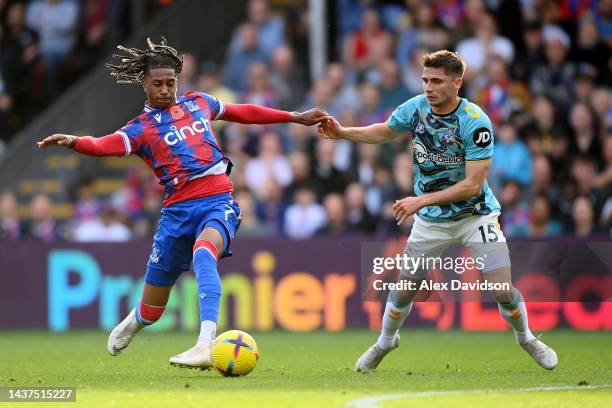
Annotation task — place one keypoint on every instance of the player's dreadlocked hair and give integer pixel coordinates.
(137, 62)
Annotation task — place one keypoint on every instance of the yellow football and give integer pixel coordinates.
(235, 353)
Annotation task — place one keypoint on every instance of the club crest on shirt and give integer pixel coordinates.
(448, 137)
(176, 112)
(192, 106)
(420, 129)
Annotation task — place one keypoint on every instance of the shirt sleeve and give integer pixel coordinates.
(401, 118)
(477, 135)
(131, 134)
(217, 108)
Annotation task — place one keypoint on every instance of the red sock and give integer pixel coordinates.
(147, 314)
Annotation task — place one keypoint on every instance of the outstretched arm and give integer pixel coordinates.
(471, 186)
(373, 134)
(255, 114)
(109, 145)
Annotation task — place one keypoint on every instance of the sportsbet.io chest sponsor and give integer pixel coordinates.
(422, 156)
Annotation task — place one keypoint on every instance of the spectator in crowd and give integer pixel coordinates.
(42, 226)
(583, 217)
(270, 164)
(542, 181)
(391, 89)
(368, 160)
(87, 205)
(18, 59)
(327, 177)
(584, 175)
(11, 226)
(343, 95)
(97, 17)
(105, 228)
(402, 175)
(425, 31)
(365, 47)
(287, 78)
(540, 223)
(305, 216)
(250, 226)
(188, 75)
(604, 178)
(532, 54)
(240, 59)
(554, 78)
(601, 102)
(270, 29)
(259, 91)
(359, 220)
(56, 21)
(497, 94)
(486, 42)
(591, 49)
(271, 207)
(511, 159)
(379, 191)
(209, 81)
(516, 213)
(335, 215)
(411, 73)
(301, 171)
(586, 140)
(371, 110)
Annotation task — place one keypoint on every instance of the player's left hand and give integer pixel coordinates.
(310, 117)
(406, 208)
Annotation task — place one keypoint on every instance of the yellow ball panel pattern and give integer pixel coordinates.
(235, 353)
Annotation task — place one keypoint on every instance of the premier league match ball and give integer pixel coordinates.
(235, 353)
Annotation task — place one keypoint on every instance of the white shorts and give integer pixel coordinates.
(480, 234)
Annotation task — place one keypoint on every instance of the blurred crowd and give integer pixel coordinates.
(541, 70)
(45, 45)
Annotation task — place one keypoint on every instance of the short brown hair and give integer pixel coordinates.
(450, 61)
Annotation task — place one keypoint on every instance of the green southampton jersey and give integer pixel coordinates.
(442, 145)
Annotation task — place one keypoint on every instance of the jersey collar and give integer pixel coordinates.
(148, 108)
(449, 113)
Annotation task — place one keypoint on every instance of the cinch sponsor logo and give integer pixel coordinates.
(200, 126)
(422, 156)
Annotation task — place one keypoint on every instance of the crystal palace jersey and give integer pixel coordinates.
(442, 145)
(180, 147)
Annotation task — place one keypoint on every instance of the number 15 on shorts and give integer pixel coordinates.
(490, 234)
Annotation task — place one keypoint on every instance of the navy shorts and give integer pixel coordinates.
(179, 226)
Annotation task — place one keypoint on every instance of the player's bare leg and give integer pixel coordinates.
(205, 256)
(512, 308)
(399, 304)
(150, 309)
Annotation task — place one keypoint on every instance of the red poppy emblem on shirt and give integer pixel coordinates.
(176, 112)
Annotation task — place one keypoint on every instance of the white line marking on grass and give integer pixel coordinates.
(372, 402)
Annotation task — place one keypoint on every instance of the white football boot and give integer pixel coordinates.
(199, 356)
(541, 353)
(374, 355)
(123, 333)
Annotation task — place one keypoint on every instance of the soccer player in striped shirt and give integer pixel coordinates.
(199, 218)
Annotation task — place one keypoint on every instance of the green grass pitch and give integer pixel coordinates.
(444, 369)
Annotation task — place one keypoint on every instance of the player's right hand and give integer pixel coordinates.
(330, 128)
(57, 139)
